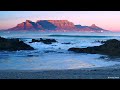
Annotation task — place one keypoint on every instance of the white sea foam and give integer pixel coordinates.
(56, 55)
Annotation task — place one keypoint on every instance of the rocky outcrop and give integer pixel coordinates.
(110, 47)
(45, 41)
(13, 45)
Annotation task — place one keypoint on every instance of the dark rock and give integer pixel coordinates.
(49, 51)
(54, 45)
(110, 47)
(30, 42)
(13, 45)
(100, 41)
(66, 43)
(102, 57)
(60, 52)
(34, 40)
(45, 41)
(59, 48)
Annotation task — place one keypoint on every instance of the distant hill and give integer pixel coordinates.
(56, 25)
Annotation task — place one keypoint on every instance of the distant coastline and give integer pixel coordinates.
(55, 25)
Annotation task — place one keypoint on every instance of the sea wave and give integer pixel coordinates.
(81, 36)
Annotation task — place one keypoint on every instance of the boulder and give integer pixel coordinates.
(110, 47)
(13, 45)
(34, 40)
(45, 41)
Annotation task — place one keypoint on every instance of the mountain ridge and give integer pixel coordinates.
(55, 25)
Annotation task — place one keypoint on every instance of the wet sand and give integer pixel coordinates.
(112, 72)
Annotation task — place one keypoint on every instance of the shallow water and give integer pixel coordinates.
(55, 56)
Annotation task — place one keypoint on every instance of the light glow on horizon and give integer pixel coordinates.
(109, 20)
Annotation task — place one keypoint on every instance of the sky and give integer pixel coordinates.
(109, 20)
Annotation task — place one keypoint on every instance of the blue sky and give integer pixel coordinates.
(106, 19)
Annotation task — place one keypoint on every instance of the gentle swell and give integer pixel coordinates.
(80, 36)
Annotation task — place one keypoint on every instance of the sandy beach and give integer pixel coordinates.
(112, 72)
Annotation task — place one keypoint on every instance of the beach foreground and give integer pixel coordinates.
(96, 73)
(51, 51)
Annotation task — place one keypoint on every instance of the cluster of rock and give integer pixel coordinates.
(13, 45)
(45, 41)
(16, 45)
(110, 47)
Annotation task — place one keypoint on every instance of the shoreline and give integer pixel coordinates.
(110, 72)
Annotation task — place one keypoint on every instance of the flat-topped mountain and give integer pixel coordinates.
(62, 24)
(57, 25)
(44, 25)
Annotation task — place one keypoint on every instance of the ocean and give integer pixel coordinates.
(56, 56)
